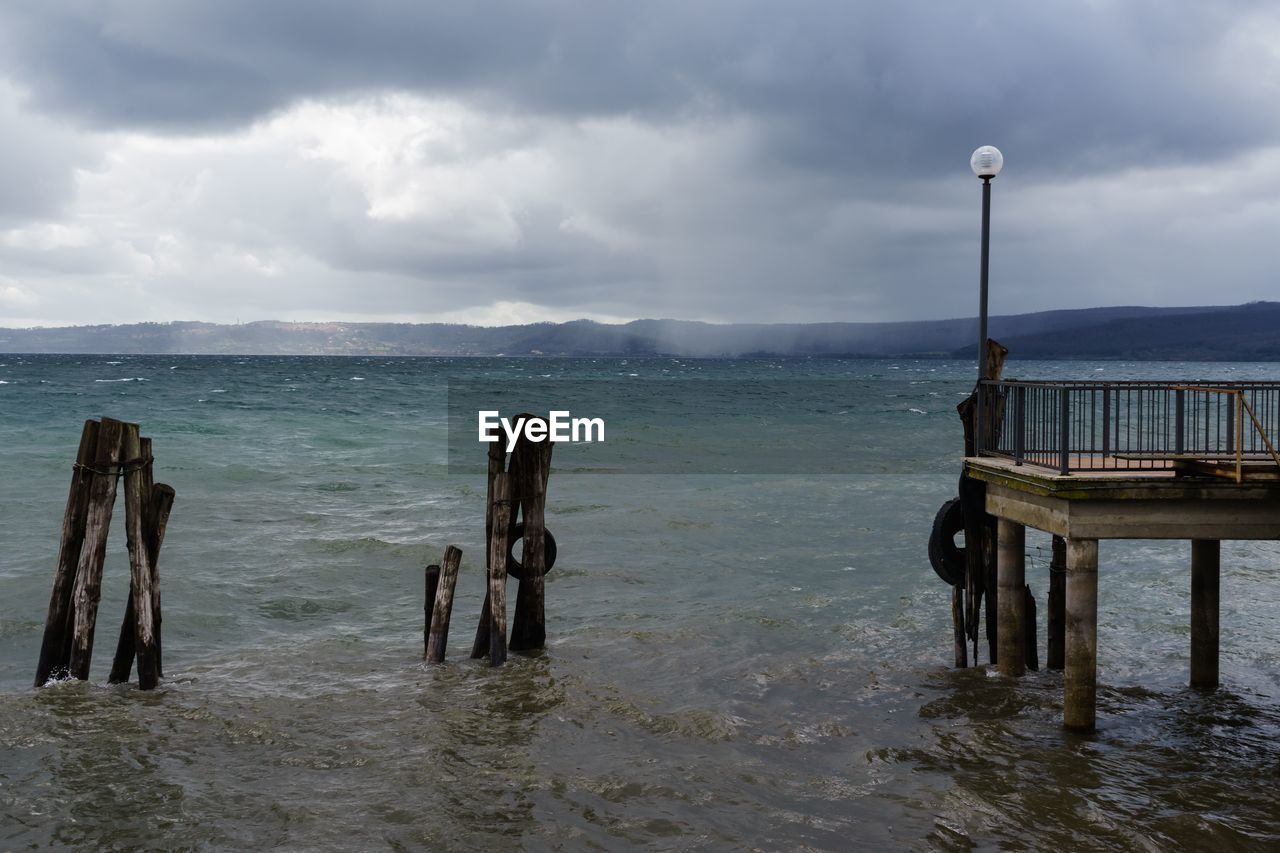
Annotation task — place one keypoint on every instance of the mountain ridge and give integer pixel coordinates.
(1240, 332)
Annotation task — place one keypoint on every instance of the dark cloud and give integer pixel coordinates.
(721, 159)
(838, 83)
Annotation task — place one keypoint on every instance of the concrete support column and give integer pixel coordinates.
(1205, 564)
(1081, 676)
(1011, 601)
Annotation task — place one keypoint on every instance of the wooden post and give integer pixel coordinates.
(1081, 677)
(438, 634)
(54, 660)
(498, 570)
(973, 499)
(1205, 573)
(957, 624)
(160, 505)
(162, 496)
(991, 586)
(1056, 619)
(1029, 645)
(497, 464)
(136, 502)
(1011, 570)
(431, 579)
(88, 584)
(528, 625)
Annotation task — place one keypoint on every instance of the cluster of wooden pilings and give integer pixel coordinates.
(109, 450)
(515, 507)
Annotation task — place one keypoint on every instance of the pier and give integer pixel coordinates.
(1088, 461)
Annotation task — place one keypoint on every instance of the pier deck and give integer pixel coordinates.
(1117, 503)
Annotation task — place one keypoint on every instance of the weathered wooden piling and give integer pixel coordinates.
(497, 464)
(55, 647)
(957, 625)
(1205, 570)
(1011, 581)
(498, 549)
(88, 585)
(110, 450)
(1029, 645)
(442, 606)
(431, 585)
(141, 575)
(1081, 671)
(159, 505)
(531, 464)
(1055, 619)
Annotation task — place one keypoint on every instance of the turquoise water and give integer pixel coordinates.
(750, 660)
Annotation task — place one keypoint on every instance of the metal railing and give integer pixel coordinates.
(1143, 426)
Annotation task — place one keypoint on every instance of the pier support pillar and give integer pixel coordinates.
(1079, 709)
(1205, 564)
(1011, 601)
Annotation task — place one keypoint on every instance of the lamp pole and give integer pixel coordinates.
(986, 163)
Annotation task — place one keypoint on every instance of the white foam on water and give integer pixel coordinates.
(126, 379)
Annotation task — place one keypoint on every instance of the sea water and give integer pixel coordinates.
(747, 647)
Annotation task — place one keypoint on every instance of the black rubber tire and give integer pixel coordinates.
(945, 556)
(514, 567)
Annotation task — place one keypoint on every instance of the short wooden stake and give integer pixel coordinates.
(88, 585)
(431, 583)
(1011, 570)
(1057, 616)
(498, 570)
(55, 648)
(438, 631)
(1206, 561)
(1081, 676)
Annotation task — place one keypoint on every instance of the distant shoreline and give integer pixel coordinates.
(1246, 333)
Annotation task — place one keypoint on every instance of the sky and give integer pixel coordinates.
(517, 161)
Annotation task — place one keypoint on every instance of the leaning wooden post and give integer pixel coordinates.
(53, 658)
(88, 585)
(498, 570)
(431, 583)
(1011, 570)
(497, 464)
(136, 503)
(1056, 620)
(1206, 560)
(162, 496)
(1081, 677)
(529, 626)
(438, 633)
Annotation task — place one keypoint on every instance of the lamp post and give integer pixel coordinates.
(986, 163)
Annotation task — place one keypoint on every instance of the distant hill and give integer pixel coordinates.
(1245, 332)
(1240, 333)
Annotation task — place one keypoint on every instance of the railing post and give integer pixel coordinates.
(1064, 431)
(1019, 424)
(1231, 424)
(1180, 422)
(1106, 423)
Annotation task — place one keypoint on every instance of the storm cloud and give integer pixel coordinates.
(735, 161)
